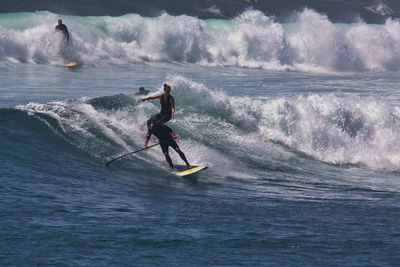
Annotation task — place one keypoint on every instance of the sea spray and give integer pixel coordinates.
(309, 42)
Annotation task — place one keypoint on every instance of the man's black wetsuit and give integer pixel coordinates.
(63, 29)
(163, 133)
(165, 113)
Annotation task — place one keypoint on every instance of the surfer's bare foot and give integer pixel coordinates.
(189, 166)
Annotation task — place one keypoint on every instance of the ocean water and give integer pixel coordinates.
(297, 118)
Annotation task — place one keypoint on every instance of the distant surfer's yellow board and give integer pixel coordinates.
(71, 64)
(182, 170)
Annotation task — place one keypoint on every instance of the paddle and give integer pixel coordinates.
(127, 154)
(133, 152)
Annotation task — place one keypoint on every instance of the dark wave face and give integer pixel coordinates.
(371, 11)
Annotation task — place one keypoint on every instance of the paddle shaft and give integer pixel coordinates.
(130, 153)
(133, 152)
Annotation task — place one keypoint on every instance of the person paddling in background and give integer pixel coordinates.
(166, 137)
(142, 91)
(64, 30)
(167, 106)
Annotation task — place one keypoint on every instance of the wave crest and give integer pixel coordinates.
(310, 43)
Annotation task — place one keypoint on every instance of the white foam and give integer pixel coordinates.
(309, 43)
(335, 129)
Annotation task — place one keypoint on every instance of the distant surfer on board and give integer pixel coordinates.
(167, 106)
(166, 136)
(142, 91)
(64, 30)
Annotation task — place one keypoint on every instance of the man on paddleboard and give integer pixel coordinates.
(166, 137)
(167, 106)
(64, 30)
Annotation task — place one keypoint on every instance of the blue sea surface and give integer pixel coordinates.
(301, 141)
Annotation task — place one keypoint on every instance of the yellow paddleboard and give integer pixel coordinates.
(71, 64)
(182, 170)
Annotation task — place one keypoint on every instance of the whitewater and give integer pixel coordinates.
(297, 118)
(308, 42)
